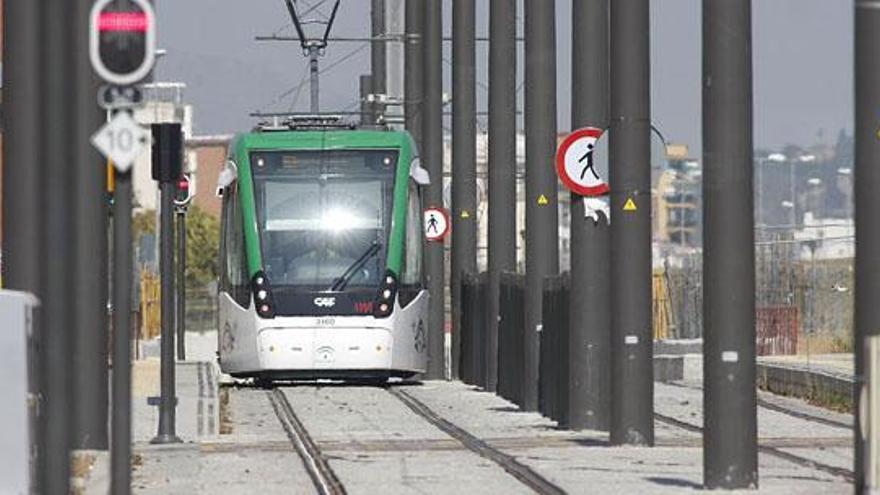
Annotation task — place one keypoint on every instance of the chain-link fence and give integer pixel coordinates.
(803, 294)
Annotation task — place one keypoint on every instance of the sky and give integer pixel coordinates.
(802, 64)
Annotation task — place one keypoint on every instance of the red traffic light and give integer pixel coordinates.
(122, 40)
(123, 21)
(183, 184)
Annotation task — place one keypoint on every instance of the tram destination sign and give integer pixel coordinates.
(122, 40)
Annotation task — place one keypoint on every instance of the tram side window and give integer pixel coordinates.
(411, 278)
(236, 263)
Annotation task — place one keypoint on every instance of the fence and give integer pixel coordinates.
(511, 336)
(201, 306)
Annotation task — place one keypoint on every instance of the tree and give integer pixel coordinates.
(202, 247)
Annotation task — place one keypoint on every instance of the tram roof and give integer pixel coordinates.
(322, 140)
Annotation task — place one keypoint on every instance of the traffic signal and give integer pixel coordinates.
(186, 190)
(167, 152)
(122, 40)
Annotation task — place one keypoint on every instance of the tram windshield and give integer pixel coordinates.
(324, 216)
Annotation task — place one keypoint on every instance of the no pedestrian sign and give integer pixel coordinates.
(576, 163)
(436, 224)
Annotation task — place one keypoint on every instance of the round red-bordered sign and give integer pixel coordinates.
(574, 163)
(436, 224)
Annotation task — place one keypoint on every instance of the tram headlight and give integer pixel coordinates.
(262, 295)
(385, 300)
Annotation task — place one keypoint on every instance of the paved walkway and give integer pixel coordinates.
(375, 444)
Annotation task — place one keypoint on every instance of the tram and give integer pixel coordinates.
(321, 254)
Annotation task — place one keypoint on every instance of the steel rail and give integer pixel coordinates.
(323, 477)
(844, 473)
(769, 405)
(521, 472)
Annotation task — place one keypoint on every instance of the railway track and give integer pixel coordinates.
(325, 480)
(768, 449)
(521, 472)
(772, 406)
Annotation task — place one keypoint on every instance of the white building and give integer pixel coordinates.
(832, 238)
(164, 104)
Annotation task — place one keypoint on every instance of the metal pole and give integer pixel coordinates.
(632, 376)
(23, 240)
(432, 157)
(542, 236)
(120, 452)
(314, 80)
(867, 202)
(502, 169)
(589, 344)
(168, 401)
(365, 86)
(412, 82)
(464, 160)
(90, 290)
(56, 120)
(181, 283)
(378, 67)
(730, 440)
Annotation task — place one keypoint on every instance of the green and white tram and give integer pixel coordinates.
(321, 255)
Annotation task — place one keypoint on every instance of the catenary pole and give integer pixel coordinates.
(365, 83)
(464, 160)
(502, 170)
(23, 204)
(589, 344)
(867, 203)
(378, 58)
(432, 129)
(90, 270)
(56, 119)
(730, 448)
(542, 216)
(413, 92)
(632, 377)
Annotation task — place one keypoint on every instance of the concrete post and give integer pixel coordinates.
(464, 161)
(730, 440)
(632, 404)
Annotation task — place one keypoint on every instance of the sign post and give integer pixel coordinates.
(122, 50)
(185, 193)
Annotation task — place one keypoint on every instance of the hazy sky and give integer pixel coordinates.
(802, 64)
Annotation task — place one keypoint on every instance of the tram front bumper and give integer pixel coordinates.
(324, 349)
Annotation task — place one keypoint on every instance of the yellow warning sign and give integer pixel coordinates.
(630, 205)
(465, 214)
(542, 200)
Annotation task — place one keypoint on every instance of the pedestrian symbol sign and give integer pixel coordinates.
(630, 205)
(575, 163)
(436, 224)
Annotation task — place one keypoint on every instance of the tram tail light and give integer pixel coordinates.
(385, 300)
(263, 295)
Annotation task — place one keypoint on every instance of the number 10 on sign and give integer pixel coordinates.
(121, 140)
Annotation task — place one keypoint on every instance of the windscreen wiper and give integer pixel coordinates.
(343, 280)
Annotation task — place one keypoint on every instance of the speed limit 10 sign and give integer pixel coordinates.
(122, 40)
(121, 140)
